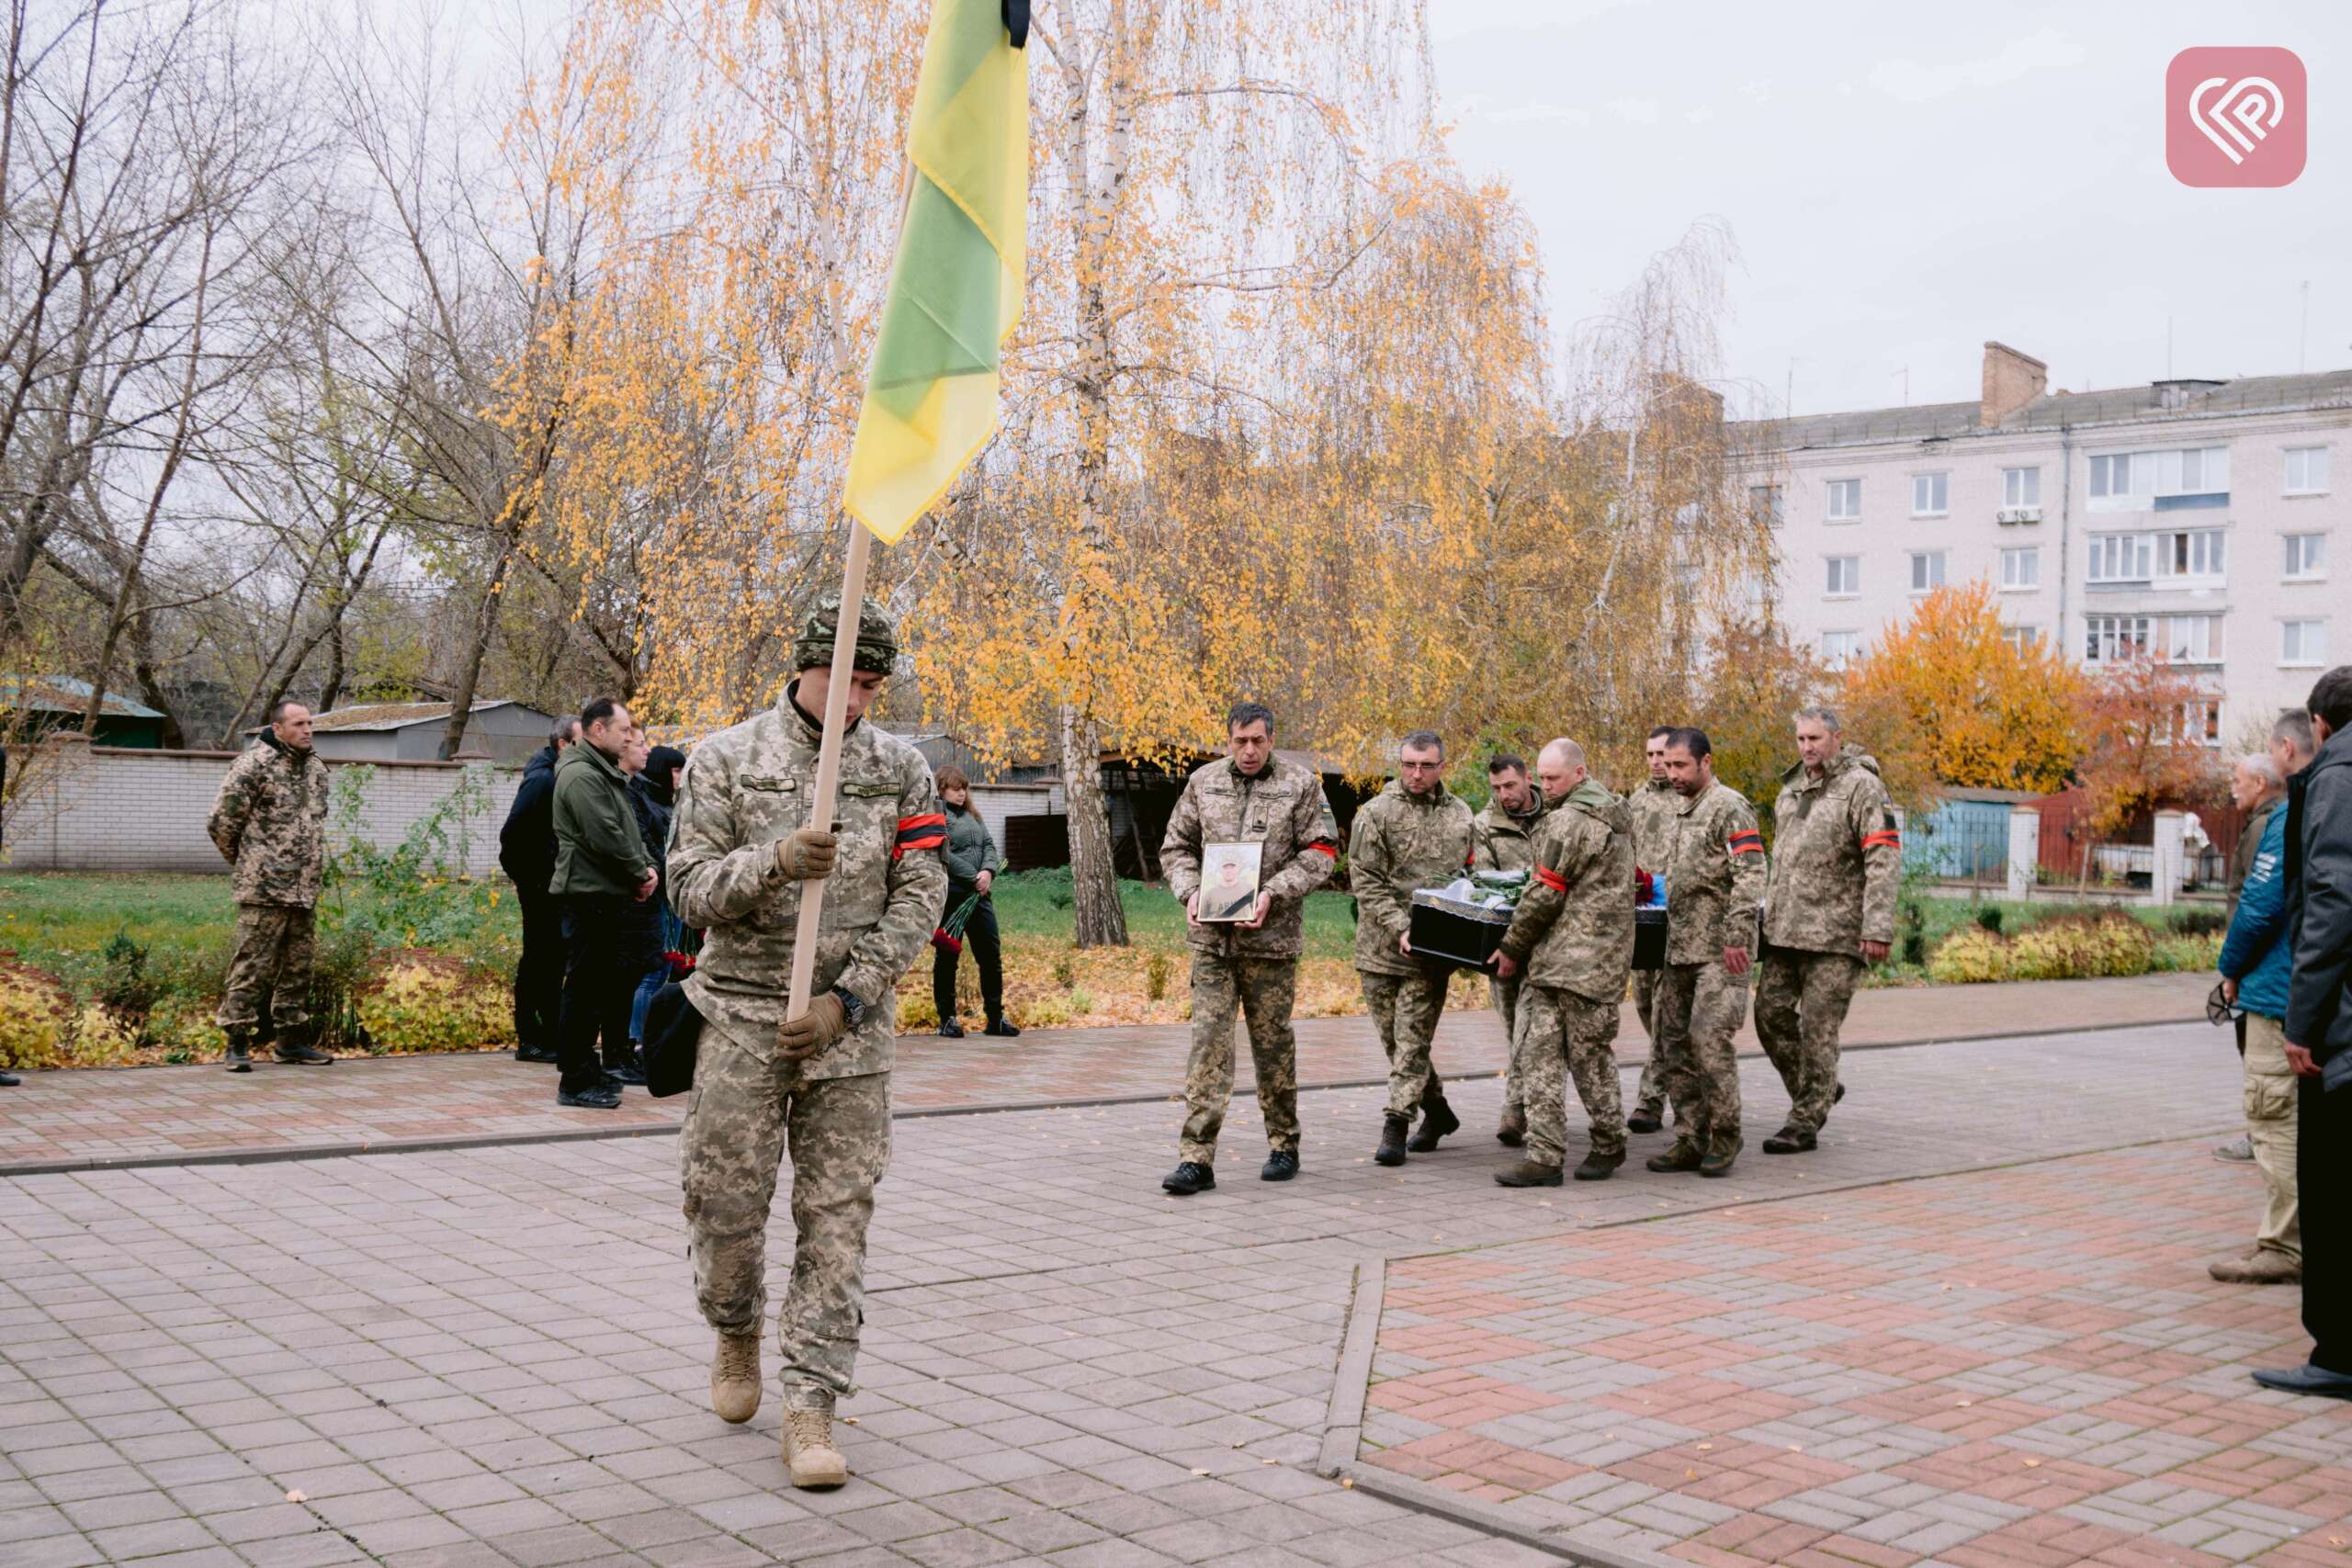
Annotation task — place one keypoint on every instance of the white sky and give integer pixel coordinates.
(1906, 181)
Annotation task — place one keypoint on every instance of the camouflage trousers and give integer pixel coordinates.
(748, 1107)
(275, 947)
(1405, 1009)
(1504, 994)
(1566, 1039)
(1650, 1094)
(1700, 1007)
(1800, 1002)
(1263, 990)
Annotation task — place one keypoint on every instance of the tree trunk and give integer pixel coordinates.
(461, 701)
(1094, 883)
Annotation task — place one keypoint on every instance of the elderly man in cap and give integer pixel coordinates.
(742, 849)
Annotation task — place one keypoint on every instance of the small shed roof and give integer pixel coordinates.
(62, 693)
(401, 715)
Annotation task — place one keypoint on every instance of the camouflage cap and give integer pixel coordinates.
(877, 639)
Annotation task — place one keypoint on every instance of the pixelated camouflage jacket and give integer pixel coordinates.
(1655, 807)
(1502, 842)
(748, 786)
(1280, 807)
(1400, 844)
(1715, 876)
(1574, 930)
(1837, 858)
(270, 821)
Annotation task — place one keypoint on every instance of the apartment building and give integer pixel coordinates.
(2195, 517)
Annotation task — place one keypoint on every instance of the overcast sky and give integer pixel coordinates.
(1907, 181)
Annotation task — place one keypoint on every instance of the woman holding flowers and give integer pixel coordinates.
(972, 865)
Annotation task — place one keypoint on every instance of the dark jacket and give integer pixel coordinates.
(597, 846)
(651, 806)
(971, 848)
(526, 843)
(2256, 954)
(2319, 823)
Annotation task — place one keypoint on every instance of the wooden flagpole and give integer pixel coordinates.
(829, 760)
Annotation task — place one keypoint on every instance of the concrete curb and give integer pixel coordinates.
(1352, 1381)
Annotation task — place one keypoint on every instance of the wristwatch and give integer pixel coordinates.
(852, 1009)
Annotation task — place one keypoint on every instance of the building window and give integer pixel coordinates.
(1930, 494)
(1840, 648)
(2021, 487)
(1764, 505)
(1845, 576)
(1926, 570)
(2306, 470)
(2021, 568)
(2197, 552)
(1845, 501)
(2025, 639)
(2138, 482)
(2303, 642)
(2189, 640)
(2115, 636)
(2122, 557)
(2198, 722)
(2306, 555)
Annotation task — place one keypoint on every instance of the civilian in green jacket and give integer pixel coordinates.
(972, 865)
(602, 867)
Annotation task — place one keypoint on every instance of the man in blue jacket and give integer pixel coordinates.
(2256, 957)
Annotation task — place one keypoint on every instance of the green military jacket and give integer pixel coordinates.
(1280, 808)
(970, 848)
(1500, 841)
(1400, 844)
(748, 786)
(1574, 930)
(1837, 858)
(270, 822)
(1655, 807)
(1715, 876)
(597, 846)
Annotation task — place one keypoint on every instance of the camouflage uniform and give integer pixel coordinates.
(1714, 879)
(1401, 843)
(1502, 842)
(745, 788)
(1573, 936)
(270, 821)
(1837, 861)
(1655, 807)
(1256, 972)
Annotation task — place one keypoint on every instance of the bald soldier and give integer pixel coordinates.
(741, 851)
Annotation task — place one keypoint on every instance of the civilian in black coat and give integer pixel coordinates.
(527, 853)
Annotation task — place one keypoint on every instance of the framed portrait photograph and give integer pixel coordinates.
(1228, 882)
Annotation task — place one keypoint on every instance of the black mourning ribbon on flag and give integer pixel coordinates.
(1016, 22)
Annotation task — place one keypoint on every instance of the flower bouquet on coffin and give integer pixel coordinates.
(948, 935)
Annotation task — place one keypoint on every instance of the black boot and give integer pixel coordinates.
(9, 1080)
(1392, 1140)
(294, 1048)
(1528, 1173)
(1437, 1119)
(1512, 1131)
(1188, 1178)
(1002, 1027)
(951, 1029)
(1599, 1167)
(240, 1058)
(1645, 1119)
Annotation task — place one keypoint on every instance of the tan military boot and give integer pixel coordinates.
(2267, 1267)
(735, 1377)
(809, 1451)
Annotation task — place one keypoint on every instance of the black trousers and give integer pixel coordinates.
(600, 975)
(2324, 1188)
(980, 937)
(538, 974)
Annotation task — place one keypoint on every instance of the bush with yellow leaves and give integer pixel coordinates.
(1971, 956)
(2080, 948)
(418, 1002)
(36, 1018)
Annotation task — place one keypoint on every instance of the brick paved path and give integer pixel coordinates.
(172, 1113)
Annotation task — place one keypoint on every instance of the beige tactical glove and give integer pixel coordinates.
(806, 854)
(825, 1021)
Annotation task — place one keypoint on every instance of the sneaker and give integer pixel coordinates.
(1392, 1140)
(1280, 1165)
(1513, 1133)
(2237, 1151)
(1437, 1119)
(542, 1054)
(1526, 1173)
(809, 1452)
(240, 1058)
(1004, 1028)
(2267, 1267)
(1599, 1167)
(951, 1029)
(1719, 1161)
(1187, 1178)
(625, 1072)
(595, 1097)
(297, 1053)
(1790, 1141)
(1682, 1155)
(9, 1080)
(735, 1377)
(1645, 1118)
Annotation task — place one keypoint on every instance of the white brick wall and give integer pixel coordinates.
(101, 808)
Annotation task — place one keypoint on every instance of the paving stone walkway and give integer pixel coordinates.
(171, 1114)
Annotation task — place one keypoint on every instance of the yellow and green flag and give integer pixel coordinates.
(931, 391)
